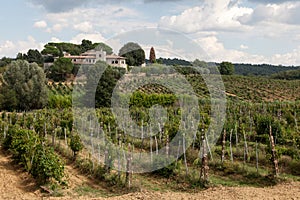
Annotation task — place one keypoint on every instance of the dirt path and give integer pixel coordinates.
(15, 184)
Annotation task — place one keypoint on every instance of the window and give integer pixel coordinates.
(117, 62)
(113, 62)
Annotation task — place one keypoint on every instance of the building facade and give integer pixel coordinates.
(92, 56)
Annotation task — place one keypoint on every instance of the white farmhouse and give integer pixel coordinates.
(92, 56)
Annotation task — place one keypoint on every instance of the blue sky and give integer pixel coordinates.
(249, 31)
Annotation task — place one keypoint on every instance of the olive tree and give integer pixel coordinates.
(24, 86)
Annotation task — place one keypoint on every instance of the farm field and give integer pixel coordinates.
(49, 153)
(16, 184)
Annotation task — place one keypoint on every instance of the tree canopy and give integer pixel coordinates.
(135, 55)
(226, 68)
(60, 69)
(106, 84)
(24, 87)
(57, 49)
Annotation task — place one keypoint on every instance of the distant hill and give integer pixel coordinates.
(261, 70)
(240, 68)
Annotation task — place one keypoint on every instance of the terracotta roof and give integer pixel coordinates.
(114, 56)
(80, 57)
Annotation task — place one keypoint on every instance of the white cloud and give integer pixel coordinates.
(84, 27)
(11, 48)
(287, 13)
(94, 37)
(212, 15)
(40, 24)
(218, 53)
(243, 47)
(290, 58)
(55, 39)
(110, 19)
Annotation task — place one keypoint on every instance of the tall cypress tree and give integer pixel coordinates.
(152, 55)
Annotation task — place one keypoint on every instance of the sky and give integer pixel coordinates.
(244, 31)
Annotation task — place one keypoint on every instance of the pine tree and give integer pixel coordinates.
(152, 56)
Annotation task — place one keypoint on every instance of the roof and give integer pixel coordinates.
(80, 57)
(114, 56)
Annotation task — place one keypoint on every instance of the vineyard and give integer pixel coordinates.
(259, 143)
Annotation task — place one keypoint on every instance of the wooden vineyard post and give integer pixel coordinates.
(53, 137)
(184, 156)
(167, 146)
(223, 146)
(274, 159)
(256, 153)
(246, 152)
(230, 139)
(204, 165)
(128, 176)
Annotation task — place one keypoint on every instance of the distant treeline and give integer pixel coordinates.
(287, 75)
(261, 70)
(240, 68)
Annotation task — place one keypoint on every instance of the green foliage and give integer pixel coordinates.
(59, 101)
(135, 55)
(25, 83)
(23, 143)
(8, 99)
(287, 75)
(60, 69)
(76, 144)
(173, 61)
(167, 171)
(29, 150)
(263, 127)
(32, 56)
(104, 47)
(57, 49)
(4, 62)
(106, 84)
(261, 69)
(47, 165)
(51, 49)
(226, 68)
(139, 99)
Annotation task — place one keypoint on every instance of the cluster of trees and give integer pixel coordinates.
(23, 87)
(174, 61)
(261, 70)
(287, 75)
(32, 56)
(57, 49)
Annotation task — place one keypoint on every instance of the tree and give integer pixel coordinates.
(135, 55)
(226, 68)
(24, 87)
(60, 69)
(34, 56)
(5, 61)
(104, 47)
(86, 45)
(106, 84)
(51, 50)
(152, 55)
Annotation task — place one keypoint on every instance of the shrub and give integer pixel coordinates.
(47, 165)
(76, 144)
